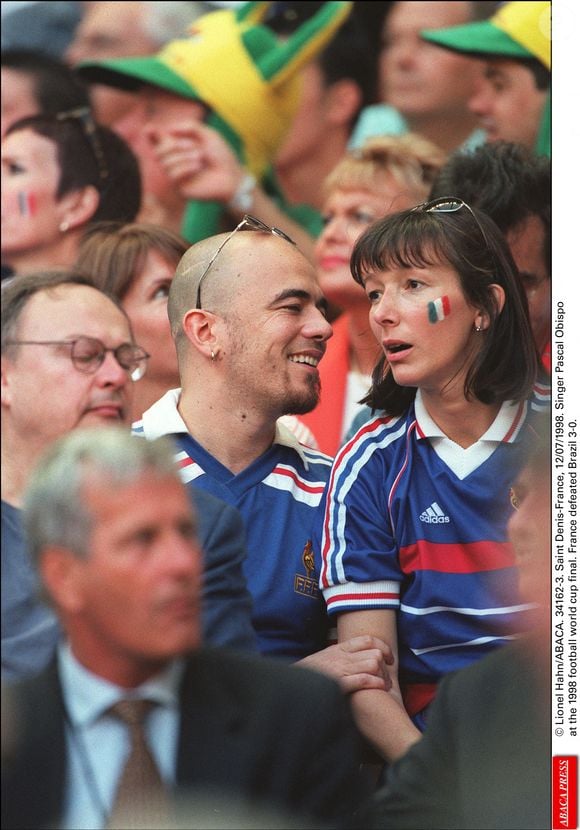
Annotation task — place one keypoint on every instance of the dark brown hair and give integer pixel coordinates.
(119, 192)
(507, 364)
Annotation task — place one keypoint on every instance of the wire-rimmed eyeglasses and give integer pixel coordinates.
(451, 204)
(85, 117)
(248, 223)
(88, 354)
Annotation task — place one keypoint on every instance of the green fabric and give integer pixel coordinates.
(254, 10)
(277, 61)
(480, 38)
(259, 42)
(544, 140)
(309, 32)
(131, 73)
(202, 219)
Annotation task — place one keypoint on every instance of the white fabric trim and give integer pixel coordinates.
(163, 418)
(464, 460)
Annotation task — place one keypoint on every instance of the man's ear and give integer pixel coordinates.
(482, 320)
(62, 573)
(78, 207)
(200, 327)
(5, 381)
(345, 98)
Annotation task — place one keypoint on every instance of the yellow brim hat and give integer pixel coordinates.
(237, 67)
(518, 30)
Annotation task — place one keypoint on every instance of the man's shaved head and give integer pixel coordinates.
(240, 255)
(260, 330)
(190, 269)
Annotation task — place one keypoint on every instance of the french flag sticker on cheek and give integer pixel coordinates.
(26, 203)
(438, 309)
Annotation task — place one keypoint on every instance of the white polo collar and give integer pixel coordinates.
(163, 418)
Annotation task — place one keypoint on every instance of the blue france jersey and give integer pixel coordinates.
(414, 523)
(277, 496)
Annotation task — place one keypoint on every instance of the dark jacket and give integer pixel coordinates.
(30, 630)
(251, 728)
(484, 759)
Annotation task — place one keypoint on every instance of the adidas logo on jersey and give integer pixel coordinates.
(433, 515)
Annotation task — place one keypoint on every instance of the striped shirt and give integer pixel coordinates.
(414, 523)
(277, 496)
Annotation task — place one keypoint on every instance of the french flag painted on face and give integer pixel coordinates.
(26, 203)
(439, 309)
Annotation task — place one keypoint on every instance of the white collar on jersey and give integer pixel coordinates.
(163, 418)
(464, 461)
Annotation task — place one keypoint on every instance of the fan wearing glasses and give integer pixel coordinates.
(249, 323)
(60, 173)
(413, 528)
(69, 360)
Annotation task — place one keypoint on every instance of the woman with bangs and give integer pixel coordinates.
(413, 526)
(387, 174)
(60, 174)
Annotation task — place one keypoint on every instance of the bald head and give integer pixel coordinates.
(190, 269)
(225, 270)
(253, 344)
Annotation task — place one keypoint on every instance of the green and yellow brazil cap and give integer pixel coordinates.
(517, 30)
(238, 68)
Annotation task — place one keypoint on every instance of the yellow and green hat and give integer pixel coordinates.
(239, 68)
(517, 30)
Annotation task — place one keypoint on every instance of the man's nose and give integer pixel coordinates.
(318, 327)
(111, 373)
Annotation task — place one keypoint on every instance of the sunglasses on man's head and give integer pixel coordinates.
(248, 223)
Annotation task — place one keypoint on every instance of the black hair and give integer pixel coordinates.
(507, 181)
(482, 9)
(541, 74)
(55, 86)
(506, 366)
(83, 161)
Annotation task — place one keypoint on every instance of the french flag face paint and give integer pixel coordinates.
(438, 309)
(26, 203)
